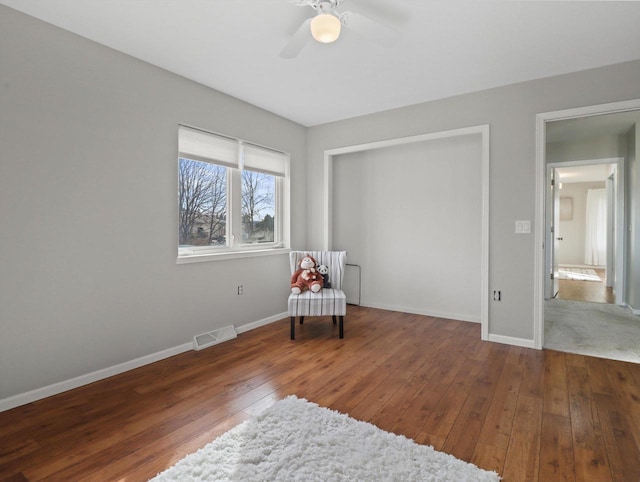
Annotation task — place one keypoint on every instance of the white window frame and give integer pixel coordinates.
(235, 248)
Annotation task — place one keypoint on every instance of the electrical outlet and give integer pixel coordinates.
(497, 295)
(240, 289)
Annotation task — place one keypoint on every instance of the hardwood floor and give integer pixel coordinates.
(528, 414)
(593, 291)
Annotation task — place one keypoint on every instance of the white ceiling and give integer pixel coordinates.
(446, 47)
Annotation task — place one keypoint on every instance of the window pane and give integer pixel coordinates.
(202, 189)
(258, 207)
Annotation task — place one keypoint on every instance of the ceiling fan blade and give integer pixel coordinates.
(370, 29)
(297, 41)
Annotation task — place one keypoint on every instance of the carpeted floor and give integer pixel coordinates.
(595, 329)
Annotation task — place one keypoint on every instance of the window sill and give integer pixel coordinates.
(252, 253)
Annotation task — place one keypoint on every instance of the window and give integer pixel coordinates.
(258, 207)
(232, 196)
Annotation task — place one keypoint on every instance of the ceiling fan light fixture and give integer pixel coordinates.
(325, 28)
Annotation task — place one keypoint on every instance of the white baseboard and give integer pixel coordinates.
(419, 311)
(54, 389)
(633, 310)
(510, 340)
(506, 340)
(259, 323)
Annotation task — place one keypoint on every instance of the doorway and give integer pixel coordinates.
(585, 229)
(587, 118)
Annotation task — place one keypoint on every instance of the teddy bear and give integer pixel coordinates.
(323, 269)
(306, 276)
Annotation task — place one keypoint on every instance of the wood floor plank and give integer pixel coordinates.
(21, 449)
(137, 465)
(625, 375)
(522, 462)
(489, 457)
(623, 451)
(556, 396)
(437, 379)
(463, 436)
(528, 414)
(589, 453)
(496, 431)
(556, 449)
(444, 415)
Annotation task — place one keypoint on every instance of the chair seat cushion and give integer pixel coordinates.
(326, 302)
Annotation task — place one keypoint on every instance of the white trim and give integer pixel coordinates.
(256, 324)
(539, 235)
(633, 310)
(621, 192)
(538, 258)
(586, 162)
(54, 389)
(510, 340)
(247, 253)
(484, 131)
(328, 207)
(398, 141)
(484, 261)
(418, 311)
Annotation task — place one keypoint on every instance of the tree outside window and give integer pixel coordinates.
(233, 197)
(202, 191)
(258, 207)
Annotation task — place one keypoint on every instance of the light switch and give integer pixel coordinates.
(523, 227)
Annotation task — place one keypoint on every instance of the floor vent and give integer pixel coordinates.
(214, 337)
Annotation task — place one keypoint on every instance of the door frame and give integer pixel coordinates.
(539, 223)
(612, 211)
(619, 245)
(483, 131)
(552, 197)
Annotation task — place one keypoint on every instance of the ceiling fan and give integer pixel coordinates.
(326, 25)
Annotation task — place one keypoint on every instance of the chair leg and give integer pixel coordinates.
(301, 320)
(293, 327)
(333, 317)
(341, 329)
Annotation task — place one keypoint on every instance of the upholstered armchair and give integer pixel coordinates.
(328, 301)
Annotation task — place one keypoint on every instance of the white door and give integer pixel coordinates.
(611, 215)
(556, 233)
(553, 236)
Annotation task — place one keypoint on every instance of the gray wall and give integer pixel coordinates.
(573, 232)
(410, 216)
(88, 209)
(88, 212)
(597, 147)
(511, 113)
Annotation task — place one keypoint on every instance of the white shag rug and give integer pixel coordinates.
(297, 440)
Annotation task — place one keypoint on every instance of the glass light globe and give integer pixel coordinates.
(325, 28)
